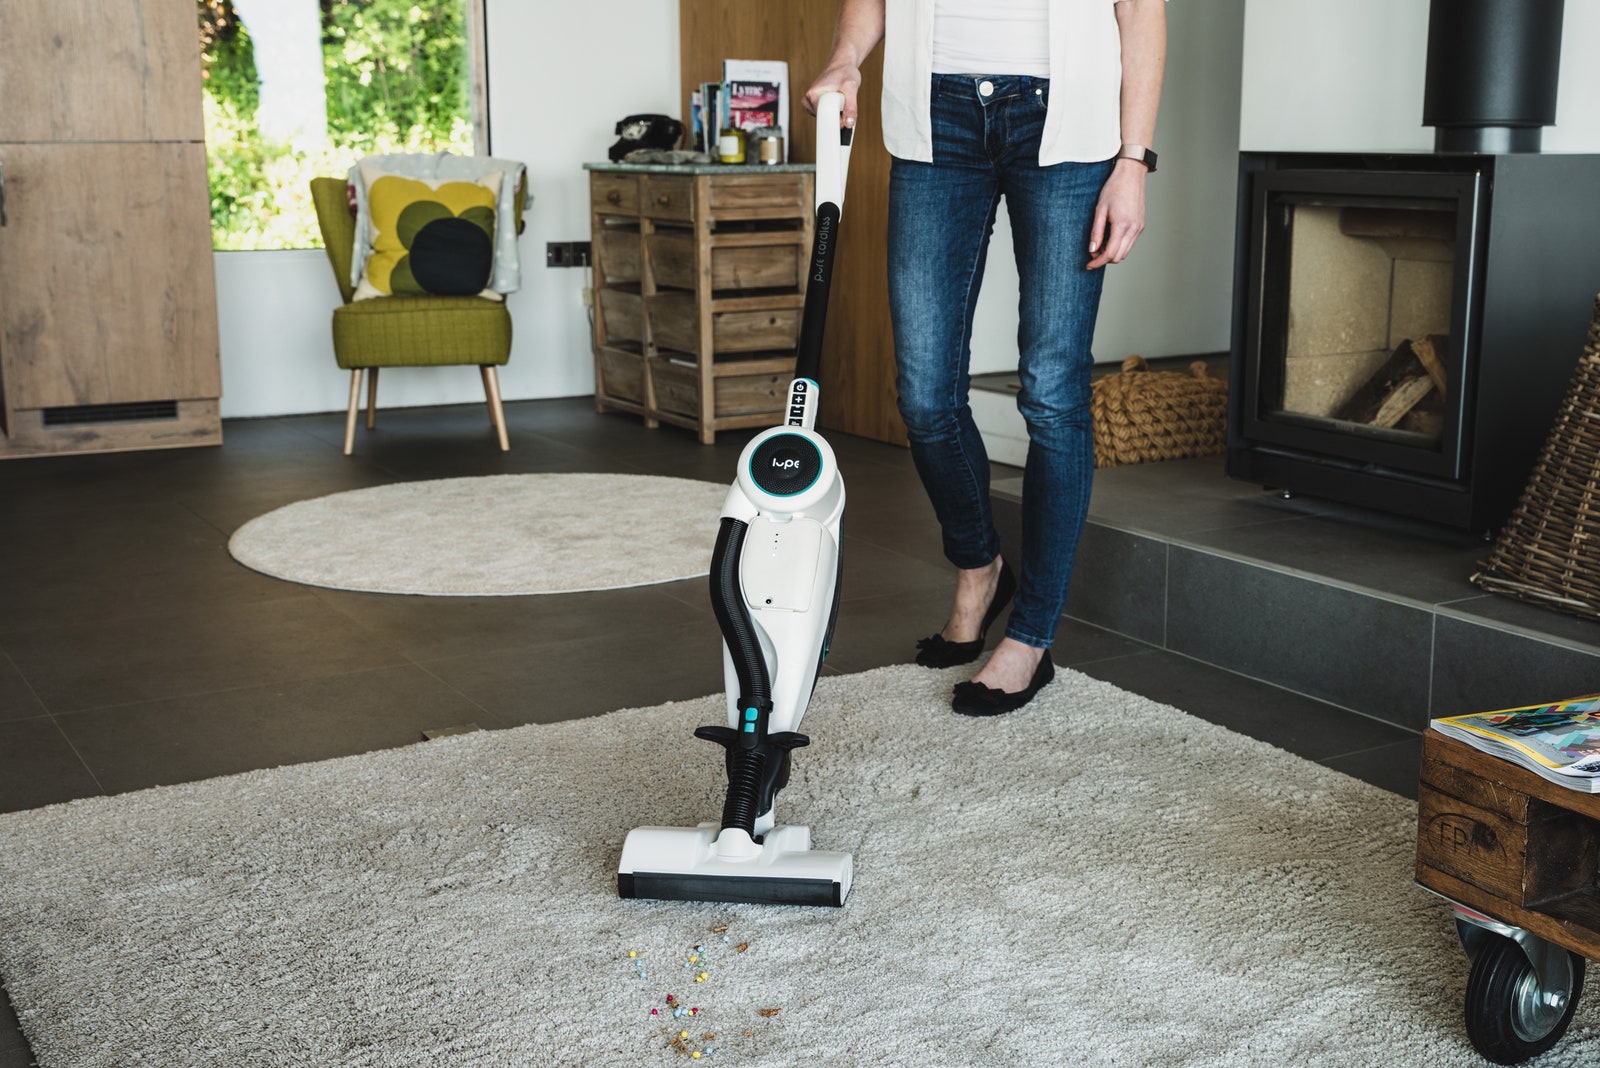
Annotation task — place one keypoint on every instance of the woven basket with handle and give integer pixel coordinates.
(1549, 550)
(1142, 415)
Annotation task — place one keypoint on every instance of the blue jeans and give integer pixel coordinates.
(940, 217)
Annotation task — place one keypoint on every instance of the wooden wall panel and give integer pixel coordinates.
(88, 70)
(858, 361)
(107, 262)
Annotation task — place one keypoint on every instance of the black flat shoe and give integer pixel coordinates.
(936, 652)
(976, 699)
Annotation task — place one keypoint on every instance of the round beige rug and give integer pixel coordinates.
(498, 535)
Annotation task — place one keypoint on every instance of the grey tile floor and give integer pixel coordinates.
(134, 652)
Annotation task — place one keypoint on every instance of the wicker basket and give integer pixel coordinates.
(1142, 415)
(1549, 550)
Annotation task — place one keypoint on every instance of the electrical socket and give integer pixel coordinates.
(566, 254)
(588, 297)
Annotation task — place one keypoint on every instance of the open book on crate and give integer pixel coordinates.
(1559, 741)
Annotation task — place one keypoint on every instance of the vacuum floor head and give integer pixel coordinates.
(685, 864)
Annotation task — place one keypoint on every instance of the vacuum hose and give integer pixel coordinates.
(727, 601)
(757, 762)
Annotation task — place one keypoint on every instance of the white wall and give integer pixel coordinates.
(1171, 296)
(560, 76)
(1347, 76)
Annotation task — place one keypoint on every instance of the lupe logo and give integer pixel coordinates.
(785, 465)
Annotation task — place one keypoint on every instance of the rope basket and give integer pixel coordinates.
(1142, 415)
(1548, 552)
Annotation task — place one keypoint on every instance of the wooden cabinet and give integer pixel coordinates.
(699, 282)
(108, 317)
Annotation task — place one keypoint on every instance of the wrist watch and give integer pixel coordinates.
(1140, 154)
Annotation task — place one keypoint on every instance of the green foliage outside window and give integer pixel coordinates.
(396, 77)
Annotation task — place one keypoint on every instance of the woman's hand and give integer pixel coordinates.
(859, 30)
(841, 76)
(1119, 216)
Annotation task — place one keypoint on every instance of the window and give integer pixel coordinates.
(296, 89)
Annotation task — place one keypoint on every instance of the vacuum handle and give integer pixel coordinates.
(833, 150)
(833, 162)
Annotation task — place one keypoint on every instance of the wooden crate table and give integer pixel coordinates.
(1520, 854)
(699, 282)
(1500, 839)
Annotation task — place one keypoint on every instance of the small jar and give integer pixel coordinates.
(730, 145)
(769, 144)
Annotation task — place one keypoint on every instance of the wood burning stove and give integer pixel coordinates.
(1404, 324)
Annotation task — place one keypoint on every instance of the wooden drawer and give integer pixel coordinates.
(675, 324)
(667, 198)
(622, 315)
(756, 331)
(617, 193)
(756, 267)
(620, 373)
(674, 321)
(677, 388)
(620, 254)
(760, 191)
(672, 258)
(751, 394)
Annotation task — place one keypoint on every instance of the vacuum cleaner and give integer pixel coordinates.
(775, 591)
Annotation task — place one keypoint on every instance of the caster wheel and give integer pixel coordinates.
(1510, 1016)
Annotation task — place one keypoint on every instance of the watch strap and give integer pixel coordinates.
(1140, 154)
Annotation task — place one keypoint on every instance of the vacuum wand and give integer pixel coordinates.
(833, 164)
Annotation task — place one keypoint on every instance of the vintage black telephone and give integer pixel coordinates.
(645, 131)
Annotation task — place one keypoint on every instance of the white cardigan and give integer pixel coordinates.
(1084, 123)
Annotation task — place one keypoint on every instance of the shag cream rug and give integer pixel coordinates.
(1095, 880)
(494, 535)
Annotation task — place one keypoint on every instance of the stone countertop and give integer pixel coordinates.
(702, 168)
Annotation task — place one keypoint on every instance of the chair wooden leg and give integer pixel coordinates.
(497, 414)
(488, 393)
(355, 406)
(372, 398)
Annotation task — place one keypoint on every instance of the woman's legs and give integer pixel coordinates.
(940, 219)
(985, 146)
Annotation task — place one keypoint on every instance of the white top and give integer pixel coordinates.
(1084, 123)
(991, 37)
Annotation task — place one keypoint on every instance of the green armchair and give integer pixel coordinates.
(405, 331)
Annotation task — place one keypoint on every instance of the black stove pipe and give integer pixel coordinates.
(1491, 74)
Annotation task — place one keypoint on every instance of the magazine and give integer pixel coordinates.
(752, 105)
(1559, 741)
